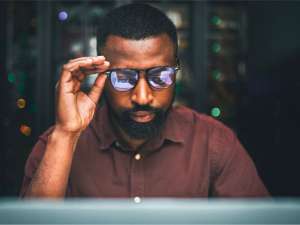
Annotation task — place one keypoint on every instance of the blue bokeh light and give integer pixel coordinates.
(62, 15)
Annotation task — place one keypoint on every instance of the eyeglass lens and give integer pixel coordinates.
(126, 79)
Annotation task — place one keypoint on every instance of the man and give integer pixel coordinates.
(137, 144)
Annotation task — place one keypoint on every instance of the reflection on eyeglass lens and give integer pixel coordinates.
(126, 79)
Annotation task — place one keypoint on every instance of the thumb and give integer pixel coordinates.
(97, 88)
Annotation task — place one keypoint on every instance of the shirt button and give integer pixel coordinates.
(138, 156)
(137, 199)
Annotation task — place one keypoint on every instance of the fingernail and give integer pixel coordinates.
(100, 57)
(106, 63)
(90, 59)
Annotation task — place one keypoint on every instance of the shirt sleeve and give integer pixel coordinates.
(234, 173)
(34, 160)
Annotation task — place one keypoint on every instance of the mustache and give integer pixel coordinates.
(147, 108)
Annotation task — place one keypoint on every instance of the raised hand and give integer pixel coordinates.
(75, 109)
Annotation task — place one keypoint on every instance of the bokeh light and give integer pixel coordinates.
(216, 47)
(216, 20)
(25, 130)
(216, 74)
(62, 15)
(21, 103)
(11, 78)
(215, 112)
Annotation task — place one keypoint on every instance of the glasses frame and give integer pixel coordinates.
(138, 72)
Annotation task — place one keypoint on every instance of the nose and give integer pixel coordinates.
(142, 94)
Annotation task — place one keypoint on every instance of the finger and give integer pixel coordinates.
(86, 61)
(80, 65)
(101, 57)
(91, 71)
(97, 88)
(65, 76)
(76, 87)
(92, 68)
(78, 59)
(80, 77)
(82, 74)
(85, 65)
(75, 68)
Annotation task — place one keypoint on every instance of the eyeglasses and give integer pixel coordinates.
(157, 77)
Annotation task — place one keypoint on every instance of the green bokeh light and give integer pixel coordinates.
(215, 112)
(216, 20)
(216, 74)
(11, 78)
(216, 47)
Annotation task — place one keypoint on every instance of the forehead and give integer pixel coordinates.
(148, 52)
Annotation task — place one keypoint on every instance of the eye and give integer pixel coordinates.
(161, 77)
(158, 80)
(123, 79)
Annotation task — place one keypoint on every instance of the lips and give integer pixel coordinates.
(142, 116)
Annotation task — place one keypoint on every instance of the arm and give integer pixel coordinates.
(51, 177)
(74, 112)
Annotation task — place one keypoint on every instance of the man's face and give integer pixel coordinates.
(141, 111)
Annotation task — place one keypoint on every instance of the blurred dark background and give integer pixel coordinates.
(239, 59)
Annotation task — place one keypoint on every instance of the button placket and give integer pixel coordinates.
(137, 176)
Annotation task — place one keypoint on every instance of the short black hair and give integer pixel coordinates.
(135, 21)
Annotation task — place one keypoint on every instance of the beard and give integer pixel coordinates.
(137, 130)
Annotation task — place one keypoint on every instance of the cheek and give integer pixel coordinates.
(117, 100)
(164, 98)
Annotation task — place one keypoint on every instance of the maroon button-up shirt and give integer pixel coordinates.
(194, 156)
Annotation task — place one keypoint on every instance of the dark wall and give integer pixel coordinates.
(270, 114)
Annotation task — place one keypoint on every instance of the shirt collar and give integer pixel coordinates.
(172, 129)
(101, 124)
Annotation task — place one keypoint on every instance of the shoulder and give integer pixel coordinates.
(204, 131)
(221, 140)
(201, 121)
